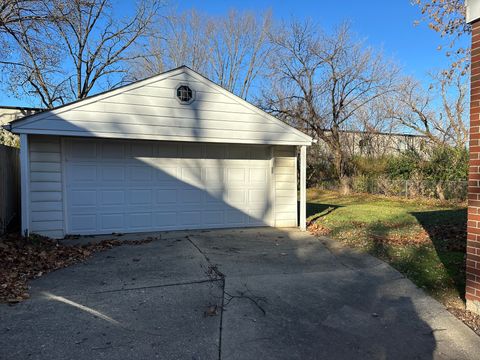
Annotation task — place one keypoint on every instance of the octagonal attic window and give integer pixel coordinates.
(185, 94)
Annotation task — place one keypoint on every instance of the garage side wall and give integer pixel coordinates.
(285, 181)
(46, 201)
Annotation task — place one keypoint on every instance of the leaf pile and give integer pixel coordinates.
(470, 319)
(450, 237)
(22, 259)
(318, 229)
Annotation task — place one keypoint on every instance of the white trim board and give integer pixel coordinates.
(25, 184)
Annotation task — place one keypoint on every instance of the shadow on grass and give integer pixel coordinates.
(320, 209)
(447, 231)
(436, 263)
(316, 211)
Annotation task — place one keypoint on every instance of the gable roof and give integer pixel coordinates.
(148, 109)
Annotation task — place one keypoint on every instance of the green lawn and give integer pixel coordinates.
(424, 240)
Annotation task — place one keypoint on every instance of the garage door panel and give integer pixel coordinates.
(140, 197)
(141, 220)
(215, 197)
(213, 217)
(83, 222)
(167, 219)
(214, 176)
(256, 197)
(235, 218)
(113, 173)
(166, 196)
(236, 176)
(258, 176)
(236, 198)
(83, 172)
(83, 197)
(191, 218)
(167, 175)
(192, 176)
(112, 221)
(143, 186)
(191, 195)
(112, 197)
(84, 210)
(141, 173)
(257, 212)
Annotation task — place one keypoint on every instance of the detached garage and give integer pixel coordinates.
(171, 152)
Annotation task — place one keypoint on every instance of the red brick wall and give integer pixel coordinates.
(473, 230)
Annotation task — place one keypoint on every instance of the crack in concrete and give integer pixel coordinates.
(157, 286)
(254, 299)
(198, 248)
(215, 275)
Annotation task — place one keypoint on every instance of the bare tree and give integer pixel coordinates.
(320, 82)
(21, 22)
(239, 50)
(447, 17)
(179, 39)
(13, 13)
(80, 45)
(231, 50)
(439, 112)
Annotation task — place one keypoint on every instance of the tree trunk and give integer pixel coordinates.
(440, 191)
(345, 187)
(342, 177)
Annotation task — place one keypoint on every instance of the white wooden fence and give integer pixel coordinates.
(9, 186)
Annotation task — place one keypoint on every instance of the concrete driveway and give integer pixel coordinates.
(231, 294)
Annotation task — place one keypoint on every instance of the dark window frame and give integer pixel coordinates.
(184, 94)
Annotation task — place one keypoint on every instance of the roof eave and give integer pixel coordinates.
(161, 138)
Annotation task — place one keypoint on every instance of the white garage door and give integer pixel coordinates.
(130, 186)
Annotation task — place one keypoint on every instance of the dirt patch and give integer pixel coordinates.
(22, 259)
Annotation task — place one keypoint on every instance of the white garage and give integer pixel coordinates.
(171, 152)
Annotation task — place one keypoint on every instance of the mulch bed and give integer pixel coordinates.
(22, 259)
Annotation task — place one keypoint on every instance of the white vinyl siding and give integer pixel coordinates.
(231, 164)
(285, 175)
(149, 110)
(46, 201)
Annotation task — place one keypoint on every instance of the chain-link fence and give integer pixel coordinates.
(412, 188)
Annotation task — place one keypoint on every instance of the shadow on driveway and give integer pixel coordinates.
(259, 293)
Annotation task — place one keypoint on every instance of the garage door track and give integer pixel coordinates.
(231, 294)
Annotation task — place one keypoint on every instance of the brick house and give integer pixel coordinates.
(473, 230)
